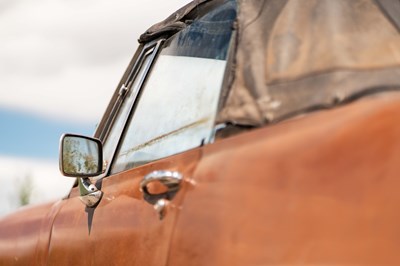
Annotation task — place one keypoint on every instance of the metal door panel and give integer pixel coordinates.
(123, 229)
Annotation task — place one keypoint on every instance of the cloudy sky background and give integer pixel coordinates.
(60, 61)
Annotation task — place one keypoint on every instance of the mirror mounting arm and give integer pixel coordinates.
(89, 194)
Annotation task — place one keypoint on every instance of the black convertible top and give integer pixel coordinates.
(293, 56)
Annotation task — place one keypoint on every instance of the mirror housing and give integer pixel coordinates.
(80, 156)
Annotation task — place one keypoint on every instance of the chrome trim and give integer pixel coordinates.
(110, 117)
(60, 156)
(151, 50)
(168, 178)
(172, 180)
(91, 199)
(161, 207)
(123, 90)
(89, 194)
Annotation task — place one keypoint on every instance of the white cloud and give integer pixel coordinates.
(63, 58)
(68, 94)
(47, 183)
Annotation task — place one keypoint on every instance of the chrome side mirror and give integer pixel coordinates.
(80, 156)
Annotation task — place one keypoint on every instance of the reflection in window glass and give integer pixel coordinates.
(176, 110)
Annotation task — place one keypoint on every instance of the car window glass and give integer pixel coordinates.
(177, 105)
(116, 129)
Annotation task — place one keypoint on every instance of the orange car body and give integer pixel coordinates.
(316, 188)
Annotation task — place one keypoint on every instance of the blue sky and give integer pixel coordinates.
(60, 61)
(30, 135)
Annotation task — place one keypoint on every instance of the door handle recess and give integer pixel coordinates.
(170, 179)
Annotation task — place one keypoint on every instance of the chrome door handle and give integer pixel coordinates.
(170, 179)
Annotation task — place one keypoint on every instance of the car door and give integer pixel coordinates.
(123, 229)
(164, 111)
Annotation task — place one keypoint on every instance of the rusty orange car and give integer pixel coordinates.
(242, 133)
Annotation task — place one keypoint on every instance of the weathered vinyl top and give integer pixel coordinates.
(294, 56)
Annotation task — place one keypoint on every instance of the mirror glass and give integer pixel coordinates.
(80, 156)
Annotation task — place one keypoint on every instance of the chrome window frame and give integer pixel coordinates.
(154, 47)
(151, 49)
